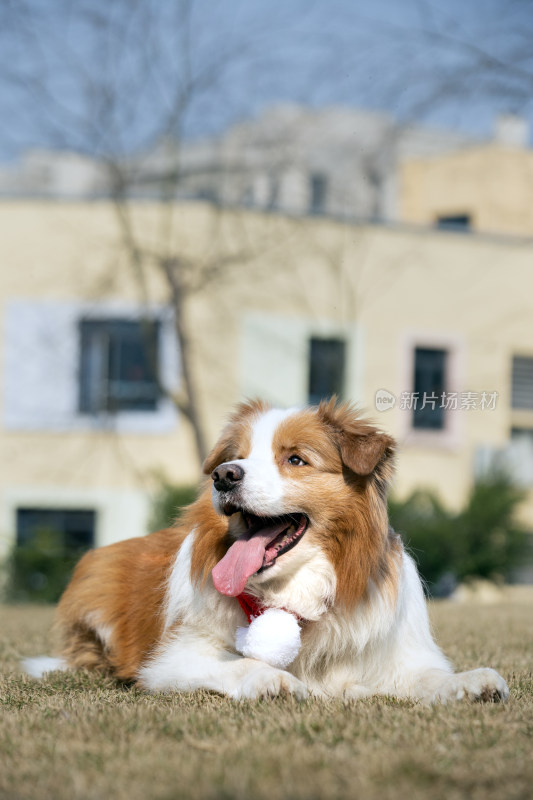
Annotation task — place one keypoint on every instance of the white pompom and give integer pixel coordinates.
(273, 637)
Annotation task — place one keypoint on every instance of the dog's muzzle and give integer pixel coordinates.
(227, 477)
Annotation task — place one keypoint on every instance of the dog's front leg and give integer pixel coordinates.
(187, 662)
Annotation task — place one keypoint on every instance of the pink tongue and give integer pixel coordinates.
(244, 557)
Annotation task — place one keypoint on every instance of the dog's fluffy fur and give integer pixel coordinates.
(147, 610)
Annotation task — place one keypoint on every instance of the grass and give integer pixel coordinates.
(79, 736)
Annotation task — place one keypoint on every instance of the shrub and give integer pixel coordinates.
(40, 570)
(482, 540)
(168, 502)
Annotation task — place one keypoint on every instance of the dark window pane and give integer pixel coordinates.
(326, 368)
(273, 199)
(118, 366)
(457, 222)
(49, 543)
(132, 359)
(319, 188)
(208, 194)
(71, 530)
(522, 435)
(522, 388)
(429, 385)
(94, 346)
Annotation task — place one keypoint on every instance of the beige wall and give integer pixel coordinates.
(383, 289)
(494, 184)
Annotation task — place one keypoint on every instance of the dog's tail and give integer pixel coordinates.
(38, 667)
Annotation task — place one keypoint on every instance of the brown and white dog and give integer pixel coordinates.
(296, 519)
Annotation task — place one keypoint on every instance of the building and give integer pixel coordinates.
(484, 187)
(339, 162)
(336, 161)
(296, 308)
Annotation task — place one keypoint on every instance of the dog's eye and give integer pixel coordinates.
(296, 461)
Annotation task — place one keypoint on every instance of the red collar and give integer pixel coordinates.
(253, 608)
(250, 605)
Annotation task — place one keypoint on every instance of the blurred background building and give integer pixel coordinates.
(336, 161)
(299, 252)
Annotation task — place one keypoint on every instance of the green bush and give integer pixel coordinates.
(168, 502)
(40, 570)
(483, 540)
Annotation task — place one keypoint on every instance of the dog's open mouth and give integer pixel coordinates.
(265, 539)
(294, 528)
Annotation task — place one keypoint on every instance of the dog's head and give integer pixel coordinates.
(294, 481)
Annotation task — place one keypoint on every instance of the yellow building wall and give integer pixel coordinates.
(385, 289)
(492, 183)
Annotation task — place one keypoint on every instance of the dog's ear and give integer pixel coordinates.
(363, 452)
(362, 446)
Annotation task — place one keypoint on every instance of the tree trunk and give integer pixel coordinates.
(190, 408)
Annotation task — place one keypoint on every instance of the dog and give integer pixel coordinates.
(294, 524)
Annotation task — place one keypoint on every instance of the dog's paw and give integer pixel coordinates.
(354, 691)
(483, 685)
(265, 681)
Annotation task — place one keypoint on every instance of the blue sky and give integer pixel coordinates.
(103, 77)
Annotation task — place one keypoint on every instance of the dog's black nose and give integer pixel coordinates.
(227, 476)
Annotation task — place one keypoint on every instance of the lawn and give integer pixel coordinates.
(78, 736)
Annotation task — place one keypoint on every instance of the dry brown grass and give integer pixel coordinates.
(81, 737)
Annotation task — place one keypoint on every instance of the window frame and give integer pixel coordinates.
(517, 409)
(312, 397)
(451, 435)
(458, 222)
(112, 330)
(59, 512)
(318, 192)
(418, 411)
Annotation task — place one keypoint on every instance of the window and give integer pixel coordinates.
(118, 369)
(522, 435)
(273, 196)
(429, 384)
(522, 383)
(208, 194)
(70, 530)
(49, 543)
(318, 193)
(326, 368)
(454, 222)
